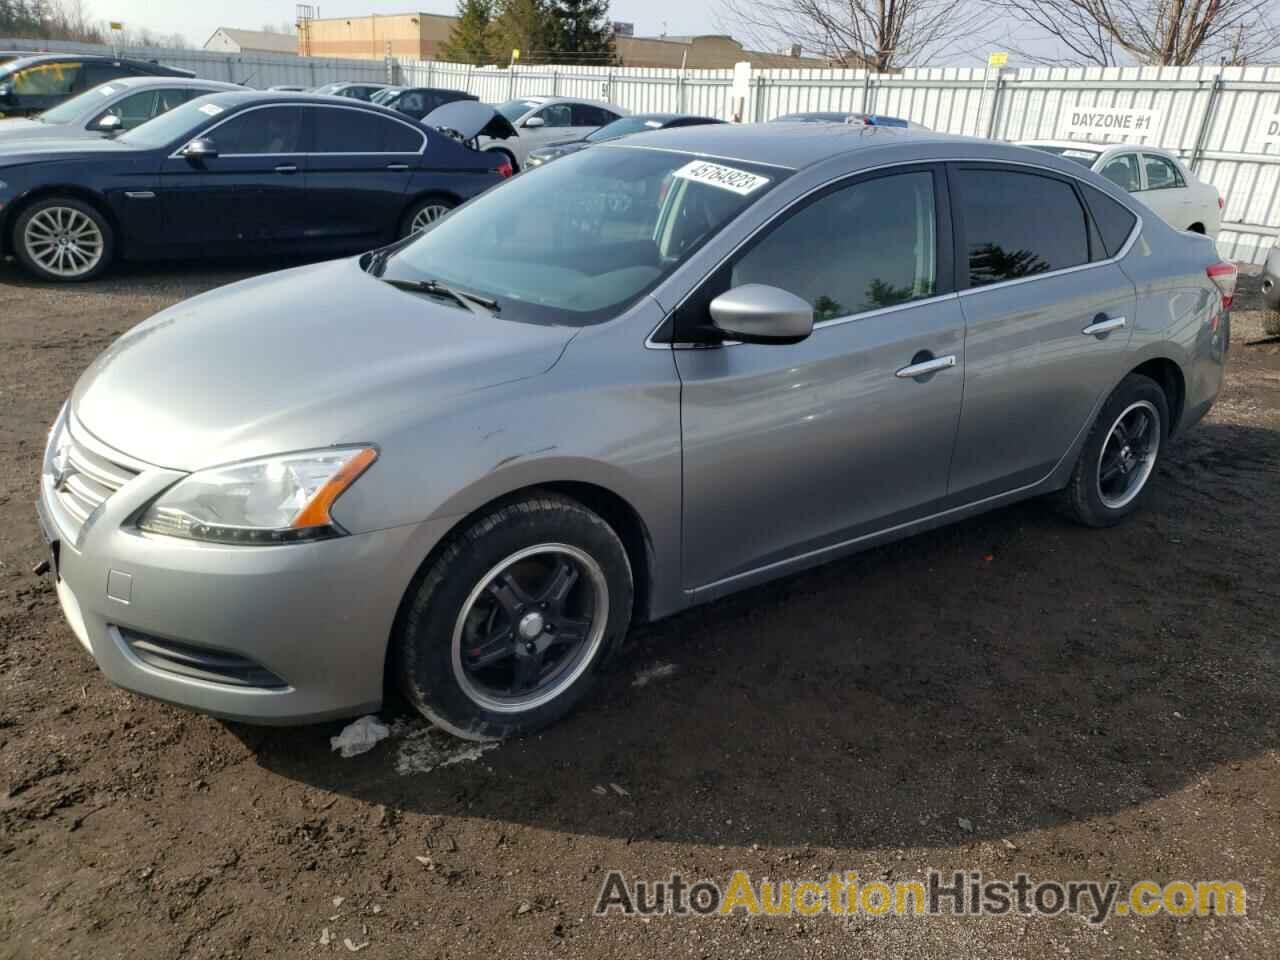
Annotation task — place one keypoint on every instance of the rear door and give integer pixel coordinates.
(793, 450)
(360, 166)
(1048, 319)
(1165, 191)
(251, 198)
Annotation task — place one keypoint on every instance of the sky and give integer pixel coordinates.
(197, 21)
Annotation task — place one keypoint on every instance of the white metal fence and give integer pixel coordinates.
(1224, 122)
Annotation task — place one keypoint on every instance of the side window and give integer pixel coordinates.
(1161, 174)
(1123, 172)
(1019, 224)
(166, 100)
(339, 130)
(133, 110)
(1114, 220)
(270, 130)
(585, 115)
(858, 248)
(557, 115)
(412, 102)
(96, 72)
(46, 80)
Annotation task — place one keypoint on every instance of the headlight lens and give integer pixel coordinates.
(274, 500)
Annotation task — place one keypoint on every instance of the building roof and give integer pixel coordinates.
(260, 40)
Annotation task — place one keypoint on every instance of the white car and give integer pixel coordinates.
(1156, 177)
(543, 120)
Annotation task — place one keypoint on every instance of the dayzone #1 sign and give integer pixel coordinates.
(1120, 121)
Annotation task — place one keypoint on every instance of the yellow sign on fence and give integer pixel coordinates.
(997, 59)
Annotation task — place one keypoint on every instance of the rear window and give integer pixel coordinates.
(1114, 220)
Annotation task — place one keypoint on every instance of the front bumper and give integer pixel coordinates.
(1271, 279)
(315, 617)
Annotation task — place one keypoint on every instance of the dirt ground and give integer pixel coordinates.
(1010, 694)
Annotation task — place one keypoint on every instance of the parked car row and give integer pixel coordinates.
(235, 173)
(644, 376)
(33, 84)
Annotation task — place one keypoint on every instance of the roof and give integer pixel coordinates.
(197, 83)
(162, 69)
(790, 145)
(259, 40)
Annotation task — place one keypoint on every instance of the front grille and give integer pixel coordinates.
(83, 481)
(186, 660)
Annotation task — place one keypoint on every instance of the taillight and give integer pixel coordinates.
(505, 169)
(1221, 203)
(1224, 276)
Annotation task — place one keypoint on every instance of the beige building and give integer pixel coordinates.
(422, 36)
(230, 40)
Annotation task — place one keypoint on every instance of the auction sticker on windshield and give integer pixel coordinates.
(212, 109)
(726, 178)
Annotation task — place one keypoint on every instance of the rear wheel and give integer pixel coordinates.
(504, 633)
(424, 213)
(63, 239)
(1120, 454)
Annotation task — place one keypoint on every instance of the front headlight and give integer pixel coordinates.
(282, 499)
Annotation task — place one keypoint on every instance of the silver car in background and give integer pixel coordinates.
(540, 121)
(466, 463)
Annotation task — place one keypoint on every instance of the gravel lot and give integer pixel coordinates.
(1010, 694)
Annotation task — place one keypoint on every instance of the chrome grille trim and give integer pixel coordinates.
(89, 480)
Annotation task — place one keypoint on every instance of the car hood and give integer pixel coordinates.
(60, 148)
(300, 359)
(470, 119)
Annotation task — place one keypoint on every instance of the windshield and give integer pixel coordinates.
(623, 126)
(171, 126)
(577, 241)
(86, 103)
(1085, 158)
(513, 110)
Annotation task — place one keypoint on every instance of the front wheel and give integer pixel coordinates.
(63, 239)
(1120, 454)
(505, 631)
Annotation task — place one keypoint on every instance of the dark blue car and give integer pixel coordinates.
(233, 174)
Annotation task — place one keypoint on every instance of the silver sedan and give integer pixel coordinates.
(637, 379)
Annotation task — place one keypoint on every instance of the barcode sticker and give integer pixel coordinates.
(212, 109)
(726, 178)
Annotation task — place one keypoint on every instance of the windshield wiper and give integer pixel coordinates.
(461, 297)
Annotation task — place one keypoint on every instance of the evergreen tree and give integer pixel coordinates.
(523, 25)
(582, 31)
(470, 38)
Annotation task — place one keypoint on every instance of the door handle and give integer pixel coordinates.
(287, 168)
(398, 167)
(926, 367)
(1102, 325)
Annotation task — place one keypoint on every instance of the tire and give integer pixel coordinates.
(425, 212)
(63, 240)
(481, 641)
(1113, 473)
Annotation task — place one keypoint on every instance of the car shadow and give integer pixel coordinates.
(1007, 673)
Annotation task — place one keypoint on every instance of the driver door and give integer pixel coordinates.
(251, 198)
(791, 452)
(557, 119)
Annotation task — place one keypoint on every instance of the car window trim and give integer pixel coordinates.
(651, 344)
(1146, 184)
(207, 131)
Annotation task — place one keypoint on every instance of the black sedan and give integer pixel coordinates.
(622, 127)
(30, 85)
(233, 174)
(417, 102)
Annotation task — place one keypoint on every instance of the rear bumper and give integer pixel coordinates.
(1271, 279)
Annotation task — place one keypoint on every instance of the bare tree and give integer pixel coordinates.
(1164, 32)
(877, 34)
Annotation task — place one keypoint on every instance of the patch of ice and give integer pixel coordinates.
(422, 748)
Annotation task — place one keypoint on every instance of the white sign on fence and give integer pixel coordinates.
(1120, 121)
(1270, 132)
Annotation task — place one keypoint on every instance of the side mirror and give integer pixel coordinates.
(201, 148)
(755, 313)
(110, 123)
(533, 123)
